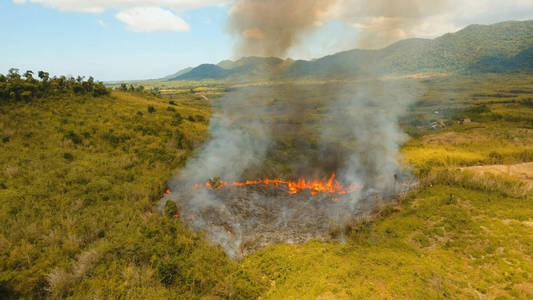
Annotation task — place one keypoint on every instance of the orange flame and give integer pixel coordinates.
(331, 186)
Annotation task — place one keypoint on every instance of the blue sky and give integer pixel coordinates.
(143, 39)
(64, 42)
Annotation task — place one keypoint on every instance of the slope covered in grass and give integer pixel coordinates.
(459, 234)
(81, 178)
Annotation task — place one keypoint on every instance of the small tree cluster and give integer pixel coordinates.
(138, 89)
(14, 86)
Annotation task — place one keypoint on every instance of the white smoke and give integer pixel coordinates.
(358, 138)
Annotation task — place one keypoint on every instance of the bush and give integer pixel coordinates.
(495, 157)
(528, 102)
(76, 139)
(171, 209)
(69, 157)
(151, 109)
(177, 120)
(167, 272)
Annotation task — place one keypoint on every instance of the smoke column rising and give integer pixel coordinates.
(363, 118)
(271, 27)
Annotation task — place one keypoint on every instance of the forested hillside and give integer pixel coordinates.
(14, 87)
(505, 47)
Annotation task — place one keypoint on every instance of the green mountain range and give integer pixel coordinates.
(502, 47)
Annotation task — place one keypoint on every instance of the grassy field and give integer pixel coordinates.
(460, 234)
(81, 179)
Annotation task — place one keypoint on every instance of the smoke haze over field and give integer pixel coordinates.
(288, 131)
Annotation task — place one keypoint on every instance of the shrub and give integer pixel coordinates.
(171, 209)
(76, 139)
(177, 120)
(114, 139)
(151, 109)
(69, 157)
(167, 272)
(495, 157)
(527, 103)
(100, 90)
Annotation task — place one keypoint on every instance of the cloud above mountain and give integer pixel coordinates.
(377, 22)
(98, 6)
(149, 19)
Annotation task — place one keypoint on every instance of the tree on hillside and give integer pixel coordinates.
(13, 87)
(28, 75)
(44, 76)
(13, 73)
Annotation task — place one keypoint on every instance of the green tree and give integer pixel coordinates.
(44, 76)
(13, 73)
(29, 75)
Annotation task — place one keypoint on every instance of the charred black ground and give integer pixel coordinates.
(246, 219)
(293, 131)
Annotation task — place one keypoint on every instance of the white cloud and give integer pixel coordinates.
(381, 22)
(138, 15)
(101, 23)
(101, 5)
(149, 19)
(434, 17)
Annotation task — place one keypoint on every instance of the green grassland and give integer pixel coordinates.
(81, 178)
(458, 234)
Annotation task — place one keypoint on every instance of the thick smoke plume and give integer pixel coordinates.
(271, 27)
(286, 131)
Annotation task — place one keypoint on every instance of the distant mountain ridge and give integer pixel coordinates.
(501, 47)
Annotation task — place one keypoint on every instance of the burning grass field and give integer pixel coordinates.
(82, 180)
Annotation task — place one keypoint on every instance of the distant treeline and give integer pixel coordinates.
(26, 87)
(138, 89)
